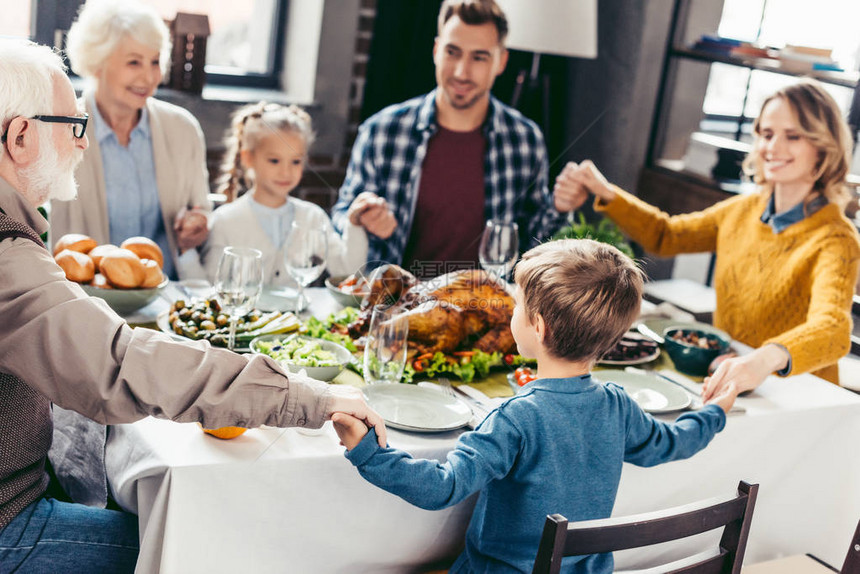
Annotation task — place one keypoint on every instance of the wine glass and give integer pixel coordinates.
(238, 283)
(385, 345)
(305, 257)
(499, 247)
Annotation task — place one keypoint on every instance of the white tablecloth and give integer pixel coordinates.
(277, 500)
(270, 501)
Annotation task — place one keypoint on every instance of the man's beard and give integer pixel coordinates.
(463, 104)
(50, 177)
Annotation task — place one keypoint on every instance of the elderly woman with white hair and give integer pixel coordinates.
(145, 171)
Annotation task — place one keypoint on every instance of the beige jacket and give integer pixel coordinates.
(179, 152)
(78, 353)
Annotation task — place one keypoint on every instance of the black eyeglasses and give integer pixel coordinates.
(79, 124)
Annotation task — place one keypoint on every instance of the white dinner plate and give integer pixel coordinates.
(276, 299)
(654, 394)
(413, 408)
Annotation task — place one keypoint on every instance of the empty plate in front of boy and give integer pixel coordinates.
(651, 392)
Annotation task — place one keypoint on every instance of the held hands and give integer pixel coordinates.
(191, 227)
(726, 398)
(575, 182)
(372, 212)
(348, 401)
(349, 429)
(745, 373)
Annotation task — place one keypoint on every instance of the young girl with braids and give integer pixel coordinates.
(266, 156)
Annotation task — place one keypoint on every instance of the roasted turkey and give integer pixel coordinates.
(464, 310)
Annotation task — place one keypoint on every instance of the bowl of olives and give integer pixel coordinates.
(204, 319)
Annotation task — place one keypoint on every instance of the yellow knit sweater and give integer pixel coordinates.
(792, 288)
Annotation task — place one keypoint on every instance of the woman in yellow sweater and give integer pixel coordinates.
(787, 257)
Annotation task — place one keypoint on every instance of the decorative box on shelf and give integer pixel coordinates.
(188, 60)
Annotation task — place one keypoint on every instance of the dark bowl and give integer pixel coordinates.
(692, 359)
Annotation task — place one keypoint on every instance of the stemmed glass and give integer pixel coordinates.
(305, 257)
(385, 346)
(499, 247)
(238, 283)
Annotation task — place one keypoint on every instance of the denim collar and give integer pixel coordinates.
(779, 222)
(103, 131)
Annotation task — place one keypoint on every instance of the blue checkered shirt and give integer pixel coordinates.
(389, 153)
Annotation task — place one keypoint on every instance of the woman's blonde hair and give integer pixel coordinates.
(250, 124)
(822, 124)
(102, 24)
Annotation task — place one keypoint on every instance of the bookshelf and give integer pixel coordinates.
(680, 150)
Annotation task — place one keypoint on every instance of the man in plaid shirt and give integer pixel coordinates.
(426, 174)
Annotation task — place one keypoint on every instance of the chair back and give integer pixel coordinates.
(562, 539)
(852, 559)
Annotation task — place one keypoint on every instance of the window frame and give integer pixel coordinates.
(46, 16)
(271, 79)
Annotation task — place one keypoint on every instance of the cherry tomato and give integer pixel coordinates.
(524, 376)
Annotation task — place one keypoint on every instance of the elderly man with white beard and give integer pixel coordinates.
(59, 346)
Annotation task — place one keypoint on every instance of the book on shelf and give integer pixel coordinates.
(792, 58)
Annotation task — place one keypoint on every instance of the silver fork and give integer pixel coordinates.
(479, 412)
(447, 388)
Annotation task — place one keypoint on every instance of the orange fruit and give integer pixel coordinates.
(224, 432)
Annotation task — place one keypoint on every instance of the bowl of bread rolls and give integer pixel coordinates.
(128, 277)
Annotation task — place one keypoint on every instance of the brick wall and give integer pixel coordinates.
(325, 173)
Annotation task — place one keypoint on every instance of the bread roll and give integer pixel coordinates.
(122, 269)
(77, 266)
(101, 282)
(145, 248)
(75, 242)
(152, 274)
(99, 251)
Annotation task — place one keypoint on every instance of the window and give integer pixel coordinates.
(726, 57)
(246, 42)
(734, 95)
(245, 46)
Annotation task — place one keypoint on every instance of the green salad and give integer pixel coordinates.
(299, 351)
(333, 328)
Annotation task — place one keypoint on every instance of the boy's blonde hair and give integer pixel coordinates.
(250, 124)
(588, 294)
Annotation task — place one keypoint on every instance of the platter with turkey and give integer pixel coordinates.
(459, 323)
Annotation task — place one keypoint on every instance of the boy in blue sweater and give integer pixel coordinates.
(558, 446)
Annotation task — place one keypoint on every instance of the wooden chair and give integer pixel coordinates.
(561, 539)
(809, 564)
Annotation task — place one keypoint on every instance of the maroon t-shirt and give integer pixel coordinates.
(449, 212)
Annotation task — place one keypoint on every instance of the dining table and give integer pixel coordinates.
(287, 500)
